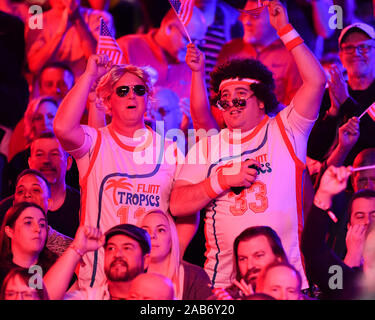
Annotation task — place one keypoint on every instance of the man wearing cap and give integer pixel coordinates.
(351, 99)
(235, 195)
(127, 250)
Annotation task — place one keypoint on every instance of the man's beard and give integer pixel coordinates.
(122, 275)
(251, 277)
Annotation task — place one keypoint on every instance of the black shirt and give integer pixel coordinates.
(64, 220)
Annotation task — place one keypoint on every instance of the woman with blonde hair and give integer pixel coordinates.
(190, 281)
(38, 119)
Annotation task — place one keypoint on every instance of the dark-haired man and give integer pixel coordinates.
(254, 249)
(318, 256)
(127, 251)
(55, 80)
(236, 195)
(48, 157)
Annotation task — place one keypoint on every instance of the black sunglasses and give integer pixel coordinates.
(224, 104)
(138, 89)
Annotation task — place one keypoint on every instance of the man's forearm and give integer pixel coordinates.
(199, 104)
(188, 199)
(88, 41)
(44, 54)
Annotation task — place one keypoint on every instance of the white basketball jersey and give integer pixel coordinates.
(122, 183)
(274, 200)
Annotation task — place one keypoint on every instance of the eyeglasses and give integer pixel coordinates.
(240, 102)
(362, 48)
(138, 89)
(224, 104)
(25, 295)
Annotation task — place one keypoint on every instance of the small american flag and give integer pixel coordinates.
(108, 45)
(183, 9)
(370, 110)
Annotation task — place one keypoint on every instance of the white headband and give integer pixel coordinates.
(246, 81)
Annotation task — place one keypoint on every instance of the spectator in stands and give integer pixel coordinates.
(48, 157)
(32, 186)
(151, 286)
(127, 250)
(261, 42)
(38, 119)
(69, 35)
(281, 281)
(16, 286)
(55, 80)
(319, 257)
(351, 99)
(23, 239)
(253, 250)
(245, 96)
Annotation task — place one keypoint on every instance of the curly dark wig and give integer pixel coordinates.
(247, 68)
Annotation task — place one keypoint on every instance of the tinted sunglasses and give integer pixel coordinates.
(139, 90)
(224, 104)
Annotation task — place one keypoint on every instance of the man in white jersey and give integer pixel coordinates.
(270, 193)
(125, 168)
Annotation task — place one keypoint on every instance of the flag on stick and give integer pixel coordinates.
(184, 12)
(371, 112)
(108, 45)
(363, 168)
(256, 11)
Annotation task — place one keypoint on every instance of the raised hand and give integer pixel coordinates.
(88, 239)
(64, 21)
(97, 66)
(194, 58)
(349, 133)
(337, 84)
(247, 289)
(278, 14)
(334, 180)
(355, 243)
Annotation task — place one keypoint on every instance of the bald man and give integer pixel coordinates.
(151, 286)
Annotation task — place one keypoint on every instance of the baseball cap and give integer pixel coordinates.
(359, 25)
(132, 231)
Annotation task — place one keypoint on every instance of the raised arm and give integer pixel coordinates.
(67, 121)
(199, 104)
(87, 39)
(44, 51)
(348, 136)
(308, 98)
(58, 277)
(318, 256)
